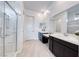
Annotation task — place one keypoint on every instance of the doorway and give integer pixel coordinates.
(29, 27)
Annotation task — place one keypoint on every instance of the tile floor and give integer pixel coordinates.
(35, 48)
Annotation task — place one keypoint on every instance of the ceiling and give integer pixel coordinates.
(37, 6)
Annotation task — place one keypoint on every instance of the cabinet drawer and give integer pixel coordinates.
(67, 44)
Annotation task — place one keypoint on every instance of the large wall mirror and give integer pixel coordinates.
(73, 20)
(60, 22)
(68, 21)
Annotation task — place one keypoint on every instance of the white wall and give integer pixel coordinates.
(20, 28)
(37, 21)
(52, 26)
(20, 34)
(29, 14)
(36, 29)
(28, 27)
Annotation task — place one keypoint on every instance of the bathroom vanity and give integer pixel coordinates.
(63, 46)
(43, 37)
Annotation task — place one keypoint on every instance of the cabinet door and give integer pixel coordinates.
(44, 39)
(57, 49)
(40, 36)
(69, 52)
(51, 43)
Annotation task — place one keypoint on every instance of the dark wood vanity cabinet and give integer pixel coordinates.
(43, 38)
(40, 36)
(62, 48)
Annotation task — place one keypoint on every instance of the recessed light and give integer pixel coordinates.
(76, 18)
(39, 14)
(46, 12)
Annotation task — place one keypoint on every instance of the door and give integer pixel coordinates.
(29, 28)
(58, 48)
(51, 43)
(8, 23)
(10, 31)
(1, 28)
(51, 40)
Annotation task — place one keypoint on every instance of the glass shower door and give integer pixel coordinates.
(1, 28)
(10, 30)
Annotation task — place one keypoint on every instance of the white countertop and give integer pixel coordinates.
(43, 31)
(47, 35)
(69, 38)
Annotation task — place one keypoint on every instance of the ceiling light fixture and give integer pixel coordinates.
(43, 13)
(46, 12)
(39, 14)
(76, 18)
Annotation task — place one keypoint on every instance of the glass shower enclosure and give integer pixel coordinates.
(8, 30)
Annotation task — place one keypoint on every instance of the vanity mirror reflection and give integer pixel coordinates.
(67, 22)
(60, 22)
(73, 20)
